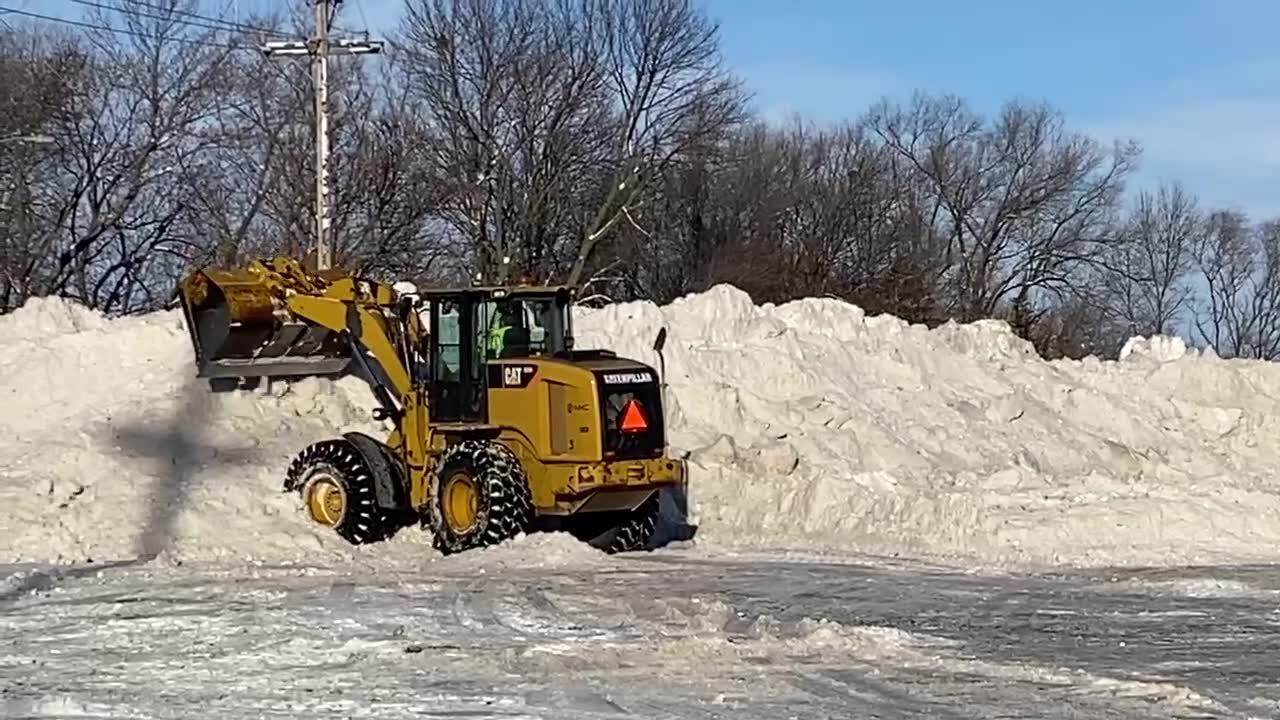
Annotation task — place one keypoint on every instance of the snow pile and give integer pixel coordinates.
(110, 447)
(808, 426)
(812, 426)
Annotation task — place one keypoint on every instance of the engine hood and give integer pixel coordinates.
(602, 363)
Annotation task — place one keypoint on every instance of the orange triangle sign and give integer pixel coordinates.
(633, 419)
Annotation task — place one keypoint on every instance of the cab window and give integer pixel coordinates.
(522, 328)
(449, 354)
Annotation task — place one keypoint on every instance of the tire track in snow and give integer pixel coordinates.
(752, 641)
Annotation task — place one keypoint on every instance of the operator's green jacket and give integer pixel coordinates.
(497, 338)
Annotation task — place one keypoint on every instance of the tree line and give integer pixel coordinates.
(601, 143)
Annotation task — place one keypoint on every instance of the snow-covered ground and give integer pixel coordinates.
(817, 436)
(672, 634)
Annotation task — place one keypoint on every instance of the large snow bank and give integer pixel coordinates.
(809, 426)
(813, 426)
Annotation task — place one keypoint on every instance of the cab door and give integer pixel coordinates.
(457, 392)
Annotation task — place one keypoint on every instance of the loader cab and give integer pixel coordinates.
(474, 330)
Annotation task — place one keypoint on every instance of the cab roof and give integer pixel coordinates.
(500, 291)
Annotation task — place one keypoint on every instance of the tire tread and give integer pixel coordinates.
(365, 522)
(509, 510)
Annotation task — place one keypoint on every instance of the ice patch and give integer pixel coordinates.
(1194, 587)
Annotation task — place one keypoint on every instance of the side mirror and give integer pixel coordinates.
(660, 341)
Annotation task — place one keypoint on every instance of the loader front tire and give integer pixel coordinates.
(338, 491)
(479, 496)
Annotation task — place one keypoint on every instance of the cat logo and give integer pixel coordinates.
(511, 376)
(516, 376)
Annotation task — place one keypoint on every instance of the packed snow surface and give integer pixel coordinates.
(809, 426)
(673, 634)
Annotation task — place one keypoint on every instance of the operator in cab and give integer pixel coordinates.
(508, 335)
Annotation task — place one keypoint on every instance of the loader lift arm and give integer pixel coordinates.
(344, 312)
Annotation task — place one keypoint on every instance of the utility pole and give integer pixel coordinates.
(320, 47)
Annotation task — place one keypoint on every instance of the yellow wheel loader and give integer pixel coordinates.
(499, 425)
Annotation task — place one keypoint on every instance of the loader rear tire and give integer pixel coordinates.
(338, 490)
(636, 533)
(479, 496)
(630, 532)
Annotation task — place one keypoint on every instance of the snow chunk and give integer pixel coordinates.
(1159, 348)
(45, 317)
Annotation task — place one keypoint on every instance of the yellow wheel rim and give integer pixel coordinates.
(461, 503)
(326, 500)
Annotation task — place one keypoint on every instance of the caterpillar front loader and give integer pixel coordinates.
(499, 425)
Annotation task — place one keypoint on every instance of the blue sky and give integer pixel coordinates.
(1197, 83)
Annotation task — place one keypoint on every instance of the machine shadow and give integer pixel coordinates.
(179, 454)
(673, 518)
(175, 447)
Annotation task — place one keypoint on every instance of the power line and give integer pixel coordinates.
(363, 18)
(207, 26)
(122, 31)
(198, 16)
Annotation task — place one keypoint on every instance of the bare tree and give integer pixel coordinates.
(1227, 258)
(551, 121)
(509, 94)
(1147, 272)
(670, 94)
(717, 216)
(107, 236)
(251, 194)
(1025, 204)
(389, 201)
(247, 192)
(1240, 313)
(598, 142)
(1079, 327)
(40, 72)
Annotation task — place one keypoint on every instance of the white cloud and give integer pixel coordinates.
(1226, 151)
(1217, 131)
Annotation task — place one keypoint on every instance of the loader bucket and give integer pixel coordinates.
(239, 329)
